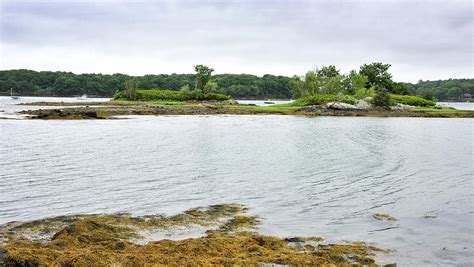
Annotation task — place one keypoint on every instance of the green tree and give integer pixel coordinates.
(428, 95)
(378, 75)
(332, 85)
(454, 92)
(358, 81)
(381, 98)
(353, 82)
(364, 92)
(311, 82)
(328, 71)
(203, 75)
(210, 87)
(400, 89)
(131, 87)
(297, 87)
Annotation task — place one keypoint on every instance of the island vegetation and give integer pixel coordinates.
(237, 86)
(369, 91)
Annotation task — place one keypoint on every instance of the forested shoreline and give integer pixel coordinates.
(49, 83)
(240, 86)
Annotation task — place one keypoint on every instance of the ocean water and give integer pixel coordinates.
(320, 176)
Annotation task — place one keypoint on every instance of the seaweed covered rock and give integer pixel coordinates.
(69, 114)
(110, 240)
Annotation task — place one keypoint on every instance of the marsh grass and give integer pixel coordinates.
(443, 111)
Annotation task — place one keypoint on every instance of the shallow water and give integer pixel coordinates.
(319, 176)
(9, 107)
(263, 103)
(458, 105)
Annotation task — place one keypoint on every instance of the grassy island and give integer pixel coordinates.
(324, 92)
(311, 106)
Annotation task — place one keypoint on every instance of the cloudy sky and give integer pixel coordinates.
(426, 40)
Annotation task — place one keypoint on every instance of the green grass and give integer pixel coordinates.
(411, 100)
(173, 96)
(169, 103)
(320, 99)
(443, 111)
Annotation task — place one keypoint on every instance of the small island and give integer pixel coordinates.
(324, 92)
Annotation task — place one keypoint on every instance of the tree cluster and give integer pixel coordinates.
(329, 80)
(452, 89)
(47, 83)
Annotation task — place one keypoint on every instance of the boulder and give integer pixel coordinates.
(361, 104)
(91, 114)
(368, 99)
(313, 108)
(209, 106)
(340, 106)
(231, 102)
(402, 107)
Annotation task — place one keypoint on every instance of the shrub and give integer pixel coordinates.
(131, 87)
(381, 98)
(411, 100)
(364, 92)
(170, 95)
(319, 99)
(160, 95)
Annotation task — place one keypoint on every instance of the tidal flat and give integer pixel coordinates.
(111, 240)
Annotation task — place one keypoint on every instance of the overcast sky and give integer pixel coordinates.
(426, 40)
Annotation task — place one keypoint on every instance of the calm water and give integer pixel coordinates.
(264, 103)
(9, 107)
(305, 175)
(458, 105)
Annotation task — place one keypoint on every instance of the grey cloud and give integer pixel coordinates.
(284, 36)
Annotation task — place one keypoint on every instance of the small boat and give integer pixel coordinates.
(13, 96)
(268, 102)
(83, 97)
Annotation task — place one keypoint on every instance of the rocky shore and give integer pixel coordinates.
(109, 110)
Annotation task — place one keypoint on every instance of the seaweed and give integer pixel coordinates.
(110, 240)
(384, 217)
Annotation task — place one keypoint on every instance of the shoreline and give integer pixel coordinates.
(107, 110)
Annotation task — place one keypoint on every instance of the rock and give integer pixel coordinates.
(313, 108)
(368, 99)
(231, 102)
(209, 106)
(384, 217)
(3, 253)
(402, 107)
(91, 114)
(362, 104)
(340, 106)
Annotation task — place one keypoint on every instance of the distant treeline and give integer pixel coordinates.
(452, 89)
(47, 83)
